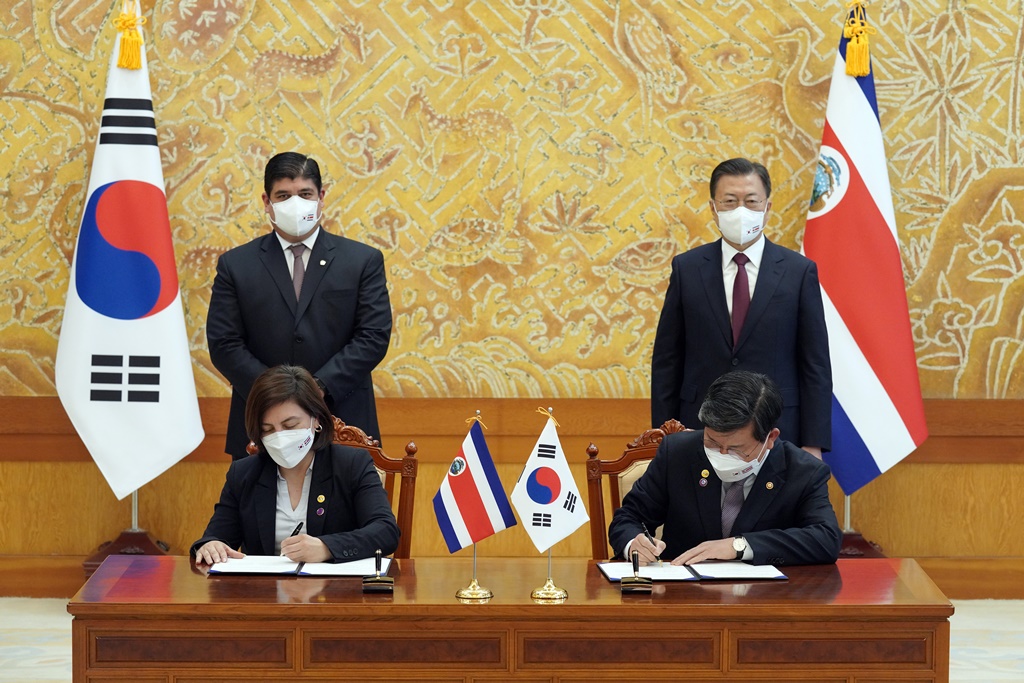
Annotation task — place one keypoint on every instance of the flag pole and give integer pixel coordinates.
(549, 592)
(847, 528)
(474, 592)
(133, 541)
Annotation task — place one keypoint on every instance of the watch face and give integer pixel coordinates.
(739, 545)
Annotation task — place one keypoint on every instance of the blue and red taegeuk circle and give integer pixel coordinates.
(543, 486)
(124, 267)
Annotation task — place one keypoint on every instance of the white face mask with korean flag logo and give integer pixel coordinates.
(296, 216)
(287, 448)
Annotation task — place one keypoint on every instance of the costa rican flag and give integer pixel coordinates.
(471, 503)
(123, 368)
(877, 411)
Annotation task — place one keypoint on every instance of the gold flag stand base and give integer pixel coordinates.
(549, 592)
(474, 592)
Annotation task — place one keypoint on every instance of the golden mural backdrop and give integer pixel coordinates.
(528, 167)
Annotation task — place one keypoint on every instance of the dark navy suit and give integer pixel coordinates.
(356, 518)
(784, 337)
(786, 519)
(339, 329)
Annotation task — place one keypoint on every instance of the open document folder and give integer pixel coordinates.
(275, 564)
(700, 571)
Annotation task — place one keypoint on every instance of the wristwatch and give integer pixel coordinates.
(739, 544)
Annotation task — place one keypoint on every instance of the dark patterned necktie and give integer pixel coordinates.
(731, 506)
(299, 269)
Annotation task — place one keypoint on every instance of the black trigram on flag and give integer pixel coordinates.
(545, 450)
(570, 502)
(127, 121)
(107, 379)
(541, 519)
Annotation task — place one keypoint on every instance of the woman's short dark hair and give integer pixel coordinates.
(736, 167)
(290, 165)
(283, 383)
(739, 398)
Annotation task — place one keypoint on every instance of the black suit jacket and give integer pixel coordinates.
(356, 518)
(786, 519)
(783, 336)
(339, 330)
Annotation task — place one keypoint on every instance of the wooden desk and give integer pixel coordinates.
(152, 618)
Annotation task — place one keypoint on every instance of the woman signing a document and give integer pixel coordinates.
(297, 477)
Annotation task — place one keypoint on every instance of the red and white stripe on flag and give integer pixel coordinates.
(471, 503)
(877, 410)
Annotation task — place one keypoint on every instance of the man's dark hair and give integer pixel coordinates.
(290, 165)
(739, 398)
(741, 167)
(287, 383)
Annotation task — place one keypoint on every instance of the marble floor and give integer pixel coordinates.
(987, 641)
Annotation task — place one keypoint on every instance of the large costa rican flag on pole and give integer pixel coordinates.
(123, 369)
(877, 411)
(471, 503)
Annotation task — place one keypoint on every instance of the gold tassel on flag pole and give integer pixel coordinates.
(856, 32)
(128, 22)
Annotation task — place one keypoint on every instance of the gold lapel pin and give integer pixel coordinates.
(769, 485)
(320, 498)
(705, 473)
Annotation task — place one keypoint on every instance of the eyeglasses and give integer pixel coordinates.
(731, 203)
(715, 446)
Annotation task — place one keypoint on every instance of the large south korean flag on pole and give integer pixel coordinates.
(877, 411)
(123, 370)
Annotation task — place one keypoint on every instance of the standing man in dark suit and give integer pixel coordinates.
(300, 296)
(732, 491)
(744, 303)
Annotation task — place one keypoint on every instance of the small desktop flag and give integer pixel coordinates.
(877, 411)
(471, 503)
(546, 496)
(123, 369)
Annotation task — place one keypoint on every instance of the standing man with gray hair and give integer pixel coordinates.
(732, 491)
(744, 303)
(299, 295)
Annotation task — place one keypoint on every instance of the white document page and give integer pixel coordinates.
(365, 567)
(256, 564)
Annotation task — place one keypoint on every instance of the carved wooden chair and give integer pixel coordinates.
(621, 473)
(389, 469)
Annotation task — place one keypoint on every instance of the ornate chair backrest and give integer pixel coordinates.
(622, 473)
(388, 468)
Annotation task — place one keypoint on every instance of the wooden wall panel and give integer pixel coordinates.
(54, 501)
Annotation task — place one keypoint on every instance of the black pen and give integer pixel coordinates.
(650, 539)
(298, 528)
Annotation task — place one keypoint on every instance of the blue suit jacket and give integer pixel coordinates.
(783, 336)
(356, 518)
(339, 329)
(789, 522)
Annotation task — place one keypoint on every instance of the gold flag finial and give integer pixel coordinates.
(476, 418)
(128, 22)
(549, 415)
(856, 32)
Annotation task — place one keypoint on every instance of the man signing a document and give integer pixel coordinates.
(732, 491)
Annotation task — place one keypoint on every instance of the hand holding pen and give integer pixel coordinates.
(656, 546)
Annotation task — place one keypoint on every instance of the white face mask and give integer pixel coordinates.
(296, 216)
(740, 225)
(287, 448)
(729, 468)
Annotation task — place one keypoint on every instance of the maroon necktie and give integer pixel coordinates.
(299, 268)
(740, 296)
